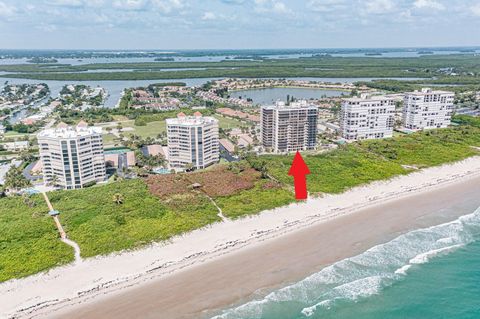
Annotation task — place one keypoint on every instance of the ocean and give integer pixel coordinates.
(426, 273)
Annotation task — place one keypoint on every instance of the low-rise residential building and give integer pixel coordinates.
(227, 145)
(72, 157)
(289, 128)
(16, 146)
(226, 111)
(367, 117)
(427, 109)
(192, 141)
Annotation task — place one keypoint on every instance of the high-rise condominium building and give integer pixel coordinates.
(427, 109)
(289, 128)
(192, 140)
(367, 117)
(72, 157)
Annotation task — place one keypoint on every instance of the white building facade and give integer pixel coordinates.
(289, 128)
(192, 140)
(367, 117)
(427, 109)
(72, 157)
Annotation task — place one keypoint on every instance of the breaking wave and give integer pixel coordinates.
(363, 275)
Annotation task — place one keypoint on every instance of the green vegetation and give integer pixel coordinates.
(143, 119)
(264, 196)
(325, 66)
(460, 84)
(336, 171)
(14, 179)
(467, 120)
(29, 240)
(228, 123)
(129, 214)
(101, 226)
(360, 163)
(428, 148)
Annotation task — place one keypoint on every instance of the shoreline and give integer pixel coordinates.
(321, 88)
(85, 287)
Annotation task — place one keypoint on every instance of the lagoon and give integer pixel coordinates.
(271, 95)
(115, 88)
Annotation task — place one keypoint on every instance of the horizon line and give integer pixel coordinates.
(245, 49)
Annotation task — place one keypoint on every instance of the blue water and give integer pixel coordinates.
(270, 95)
(427, 273)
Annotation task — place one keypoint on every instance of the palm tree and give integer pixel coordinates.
(54, 180)
(118, 198)
(14, 179)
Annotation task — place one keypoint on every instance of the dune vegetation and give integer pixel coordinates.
(133, 213)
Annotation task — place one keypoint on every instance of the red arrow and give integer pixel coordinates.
(299, 170)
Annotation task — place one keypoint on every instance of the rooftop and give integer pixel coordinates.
(368, 98)
(429, 91)
(197, 119)
(63, 131)
(301, 104)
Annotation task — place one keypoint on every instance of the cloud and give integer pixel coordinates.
(130, 4)
(76, 3)
(233, 1)
(209, 16)
(476, 10)
(271, 6)
(47, 27)
(66, 3)
(6, 10)
(167, 6)
(326, 5)
(428, 4)
(379, 6)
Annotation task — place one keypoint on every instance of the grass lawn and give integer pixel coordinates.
(151, 129)
(265, 195)
(109, 139)
(336, 171)
(359, 163)
(119, 118)
(29, 242)
(100, 226)
(428, 148)
(15, 134)
(226, 123)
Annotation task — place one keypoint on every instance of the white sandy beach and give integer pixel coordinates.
(40, 295)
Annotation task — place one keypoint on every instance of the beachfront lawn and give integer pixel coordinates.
(264, 196)
(360, 163)
(29, 241)
(428, 148)
(237, 189)
(100, 226)
(336, 171)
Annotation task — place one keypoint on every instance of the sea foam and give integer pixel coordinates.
(363, 275)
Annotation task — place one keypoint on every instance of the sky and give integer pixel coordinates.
(237, 24)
